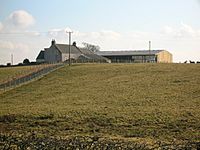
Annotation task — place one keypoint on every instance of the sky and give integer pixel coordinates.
(28, 26)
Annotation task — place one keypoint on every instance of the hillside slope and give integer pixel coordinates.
(146, 102)
(9, 73)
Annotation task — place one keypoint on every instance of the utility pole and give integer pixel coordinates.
(70, 32)
(11, 59)
(149, 51)
(149, 47)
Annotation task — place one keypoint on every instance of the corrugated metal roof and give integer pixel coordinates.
(121, 53)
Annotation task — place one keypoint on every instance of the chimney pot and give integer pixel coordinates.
(53, 42)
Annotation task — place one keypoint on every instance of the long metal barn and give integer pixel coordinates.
(138, 56)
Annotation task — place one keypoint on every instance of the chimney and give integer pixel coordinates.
(53, 42)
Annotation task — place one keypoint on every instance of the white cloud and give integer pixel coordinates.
(7, 45)
(17, 21)
(108, 34)
(59, 32)
(167, 30)
(183, 31)
(32, 33)
(56, 33)
(104, 36)
(186, 31)
(17, 36)
(20, 19)
(1, 26)
(20, 50)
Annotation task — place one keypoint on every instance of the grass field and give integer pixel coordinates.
(8, 73)
(145, 102)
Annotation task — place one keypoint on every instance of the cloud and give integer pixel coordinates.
(167, 30)
(59, 32)
(108, 34)
(16, 37)
(183, 31)
(18, 23)
(20, 50)
(18, 20)
(101, 37)
(7, 45)
(21, 18)
(56, 32)
(186, 31)
(31, 33)
(1, 26)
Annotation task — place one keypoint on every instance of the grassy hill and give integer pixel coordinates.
(8, 73)
(145, 102)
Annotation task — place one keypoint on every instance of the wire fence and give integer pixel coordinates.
(37, 72)
(28, 77)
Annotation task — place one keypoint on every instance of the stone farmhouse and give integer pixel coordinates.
(60, 53)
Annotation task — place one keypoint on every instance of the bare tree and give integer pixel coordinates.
(91, 47)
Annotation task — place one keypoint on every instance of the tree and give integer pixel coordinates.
(91, 47)
(26, 61)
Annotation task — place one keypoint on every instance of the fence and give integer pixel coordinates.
(18, 81)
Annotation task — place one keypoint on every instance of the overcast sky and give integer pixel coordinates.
(27, 26)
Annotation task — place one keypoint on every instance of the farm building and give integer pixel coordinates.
(140, 56)
(60, 53)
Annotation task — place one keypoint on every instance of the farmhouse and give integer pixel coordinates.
(138, 56)
(60, 53)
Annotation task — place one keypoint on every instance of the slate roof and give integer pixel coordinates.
(84, 53)
(41, 55)
(65, 48)
(123, 53)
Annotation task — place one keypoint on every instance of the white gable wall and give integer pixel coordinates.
(65, 56)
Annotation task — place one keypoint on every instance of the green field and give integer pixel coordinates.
(144, 102)
(8, 73)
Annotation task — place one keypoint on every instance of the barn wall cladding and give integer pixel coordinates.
(138, 56)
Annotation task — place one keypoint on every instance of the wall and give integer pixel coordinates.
(65, 56)
(164, 57)
(131, 58)
(40, 60)
(52, 55)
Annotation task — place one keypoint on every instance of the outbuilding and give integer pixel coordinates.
(138, 56)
